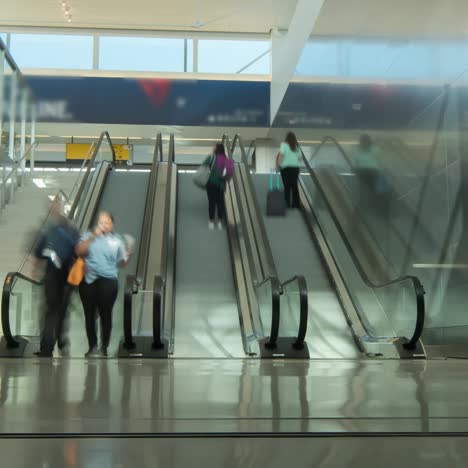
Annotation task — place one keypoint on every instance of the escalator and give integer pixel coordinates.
(103, 187)
(349, 315)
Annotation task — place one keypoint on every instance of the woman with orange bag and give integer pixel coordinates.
(103, 251)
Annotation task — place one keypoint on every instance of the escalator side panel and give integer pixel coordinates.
(294, 252)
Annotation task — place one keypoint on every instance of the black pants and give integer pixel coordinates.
(215, 201)
(57, 294)
(290, 176)
(99, 297)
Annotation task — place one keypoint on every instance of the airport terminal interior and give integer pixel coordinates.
(319, 319)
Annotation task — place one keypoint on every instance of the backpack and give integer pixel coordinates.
(224, 167)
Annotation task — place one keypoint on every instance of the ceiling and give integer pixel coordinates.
(394, 18)
(384, 18)
(248, 16)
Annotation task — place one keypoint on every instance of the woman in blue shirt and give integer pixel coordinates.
(288, 162)
(103, 251)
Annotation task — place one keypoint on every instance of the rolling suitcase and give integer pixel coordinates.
(276, 205)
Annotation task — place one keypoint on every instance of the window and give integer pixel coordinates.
(222, 56)
(319, 58)
(52, 51)
(141, 54)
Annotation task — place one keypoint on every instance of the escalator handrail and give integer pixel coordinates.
(131, 282)
(276, 286)
(6, 295)
(91, 164)
(417, 285)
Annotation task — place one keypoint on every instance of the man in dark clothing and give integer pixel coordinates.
(56, 246)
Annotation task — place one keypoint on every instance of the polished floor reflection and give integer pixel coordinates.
(76, 396)
(245, 452)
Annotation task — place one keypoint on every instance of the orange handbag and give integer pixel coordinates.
(77, 272)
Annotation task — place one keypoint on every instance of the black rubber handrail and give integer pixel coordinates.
(131, 287)
(91, 164)
(10, 280)
(11, 277)
(417, 285)
(131, 282)
(276, 286)
(303, 308)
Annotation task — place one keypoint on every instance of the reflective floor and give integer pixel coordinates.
(354, 452)
(75, 396)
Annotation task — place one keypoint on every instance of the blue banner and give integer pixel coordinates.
(152, 101)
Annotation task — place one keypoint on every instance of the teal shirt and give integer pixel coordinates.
(214, 179)
(290, 158)
(367, 159)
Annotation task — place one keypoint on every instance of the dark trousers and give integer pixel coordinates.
(290, 176)
(215, 201)
(57, 294)
(99, 297)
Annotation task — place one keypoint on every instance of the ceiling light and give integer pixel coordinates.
(69, 19)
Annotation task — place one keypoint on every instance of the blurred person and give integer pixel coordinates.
(221, 171)
(103, 251)
(366, 162)
(56, 245)
(288, 162)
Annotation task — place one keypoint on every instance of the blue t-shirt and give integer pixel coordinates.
(104, 254)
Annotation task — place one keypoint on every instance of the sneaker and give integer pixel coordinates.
(211, 225)
(64, 351)
(42, 354)
(104, 352)
(92, 352)
(220, 225)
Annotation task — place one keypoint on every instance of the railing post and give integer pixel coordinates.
(23, 109)
(33, 140)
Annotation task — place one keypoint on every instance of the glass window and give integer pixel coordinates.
(262, 66)
(141, 54)
(189, 55)
(319, 58)
(3, 37)
(52, 51)
(371, 59)
(415, 61)
(222, 56)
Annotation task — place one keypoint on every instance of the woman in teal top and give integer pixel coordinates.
(288, 162)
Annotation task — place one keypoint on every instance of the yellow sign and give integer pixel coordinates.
(81, 151)
(122, 152)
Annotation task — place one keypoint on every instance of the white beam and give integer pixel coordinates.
(287, 49)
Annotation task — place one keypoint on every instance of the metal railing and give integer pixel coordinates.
(11, 179)
(269, 273)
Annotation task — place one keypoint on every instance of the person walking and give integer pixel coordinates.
(216, 186)
(288, 162)
(104, 252)
(56, 246)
